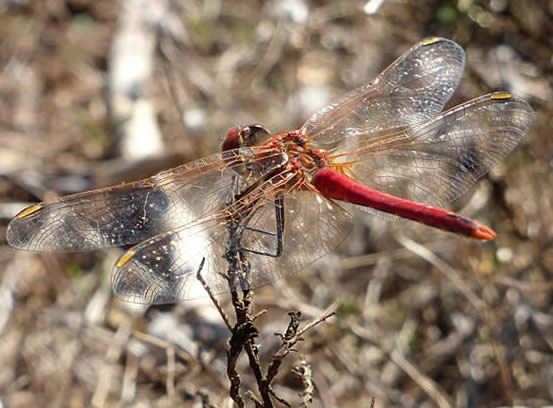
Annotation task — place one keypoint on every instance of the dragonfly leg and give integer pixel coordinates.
(199, 272)
(279, 218)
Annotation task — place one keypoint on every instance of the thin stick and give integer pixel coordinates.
(309, 326)
(155, 341)
(447, 270)
(170, 351)
(429, 386)
(290, 339)
(212, 296)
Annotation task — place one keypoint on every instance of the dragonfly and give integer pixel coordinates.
(387, 148)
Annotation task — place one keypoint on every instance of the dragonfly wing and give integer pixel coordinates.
(163, 269)
(313, 227)
(437, 161)
(131, 213)
(413, 89)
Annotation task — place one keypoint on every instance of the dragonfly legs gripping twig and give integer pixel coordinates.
(278, 233)
(244, 332)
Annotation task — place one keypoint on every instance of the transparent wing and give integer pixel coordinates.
(131, 213)
(163, 269)
(412, 90)
(437, 161)
(313, 227)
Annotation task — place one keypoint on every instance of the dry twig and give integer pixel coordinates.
(244, 332)
(303, 371)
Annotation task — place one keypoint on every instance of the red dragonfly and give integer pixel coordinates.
(386, 147)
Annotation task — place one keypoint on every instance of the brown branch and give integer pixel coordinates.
(212, 296)
(290, 338)
(244, 332)
(252, 350)
(232, 357)
(164, 345)
(279, 399)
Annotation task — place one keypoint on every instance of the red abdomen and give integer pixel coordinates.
(335, 185)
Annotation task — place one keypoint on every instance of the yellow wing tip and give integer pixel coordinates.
(28, 211)
(431, 40)
(501, 95)
(125, 258)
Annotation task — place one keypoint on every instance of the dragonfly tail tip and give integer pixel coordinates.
(485, 233)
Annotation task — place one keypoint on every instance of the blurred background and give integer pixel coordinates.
(96, 92)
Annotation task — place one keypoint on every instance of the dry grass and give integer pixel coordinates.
(423, 318)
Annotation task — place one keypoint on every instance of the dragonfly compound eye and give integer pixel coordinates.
(232, 141)
(252, 135)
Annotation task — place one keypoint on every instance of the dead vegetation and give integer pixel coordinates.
(422, 318)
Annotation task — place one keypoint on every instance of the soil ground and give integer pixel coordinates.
(424, 318)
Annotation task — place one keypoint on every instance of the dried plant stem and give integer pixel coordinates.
(212, 296)
(303, 371)
(289, 340)
(244, 333)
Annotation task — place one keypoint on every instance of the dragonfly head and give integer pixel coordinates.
(249, 135)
